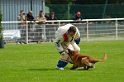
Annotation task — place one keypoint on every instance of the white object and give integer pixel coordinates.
(59, 68)
(11, 34)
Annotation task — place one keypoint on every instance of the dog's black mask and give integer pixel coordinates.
(70, 52)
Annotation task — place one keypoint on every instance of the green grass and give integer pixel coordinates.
(37, 62)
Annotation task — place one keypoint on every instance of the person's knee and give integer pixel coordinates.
(77, 49)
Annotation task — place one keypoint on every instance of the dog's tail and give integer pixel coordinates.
(103, 59)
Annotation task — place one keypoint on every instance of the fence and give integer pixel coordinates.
(90, 30)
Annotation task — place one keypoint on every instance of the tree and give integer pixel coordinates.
(83, 1)
(1, 35)
(58, 1)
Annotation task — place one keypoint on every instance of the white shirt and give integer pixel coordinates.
(62, 37)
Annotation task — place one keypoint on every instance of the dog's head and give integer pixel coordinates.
(71, 52)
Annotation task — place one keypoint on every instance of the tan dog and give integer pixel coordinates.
(83, 61)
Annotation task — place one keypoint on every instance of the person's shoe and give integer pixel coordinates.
(59, 68)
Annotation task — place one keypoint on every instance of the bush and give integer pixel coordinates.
(1, 34)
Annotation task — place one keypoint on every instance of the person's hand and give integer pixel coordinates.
(63, 53)
(78, 19)
(34, 19)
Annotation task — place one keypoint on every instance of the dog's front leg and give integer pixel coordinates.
(73, 67)
(84, 67)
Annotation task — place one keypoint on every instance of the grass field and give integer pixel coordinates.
(37, 62)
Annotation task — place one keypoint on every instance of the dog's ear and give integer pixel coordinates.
(70, 52)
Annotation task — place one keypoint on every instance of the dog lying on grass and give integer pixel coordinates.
(83, 61)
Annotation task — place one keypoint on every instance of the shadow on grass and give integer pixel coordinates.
(41, 69)
(53, 69)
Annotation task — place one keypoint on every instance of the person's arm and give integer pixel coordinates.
(43, 20)
(27, 18)
(59, 40)
(55, 18)
(20, 17)
(59, 46)
(82, 18)
(77, 37)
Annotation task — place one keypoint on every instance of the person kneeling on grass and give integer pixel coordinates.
(65, 37)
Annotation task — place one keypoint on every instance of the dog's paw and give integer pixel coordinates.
(72, 69)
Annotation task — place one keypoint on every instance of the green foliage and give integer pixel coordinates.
(88, 11)
(58, 1)
(1, 35)
(83, 1)
(37, 62)
(60, 11)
